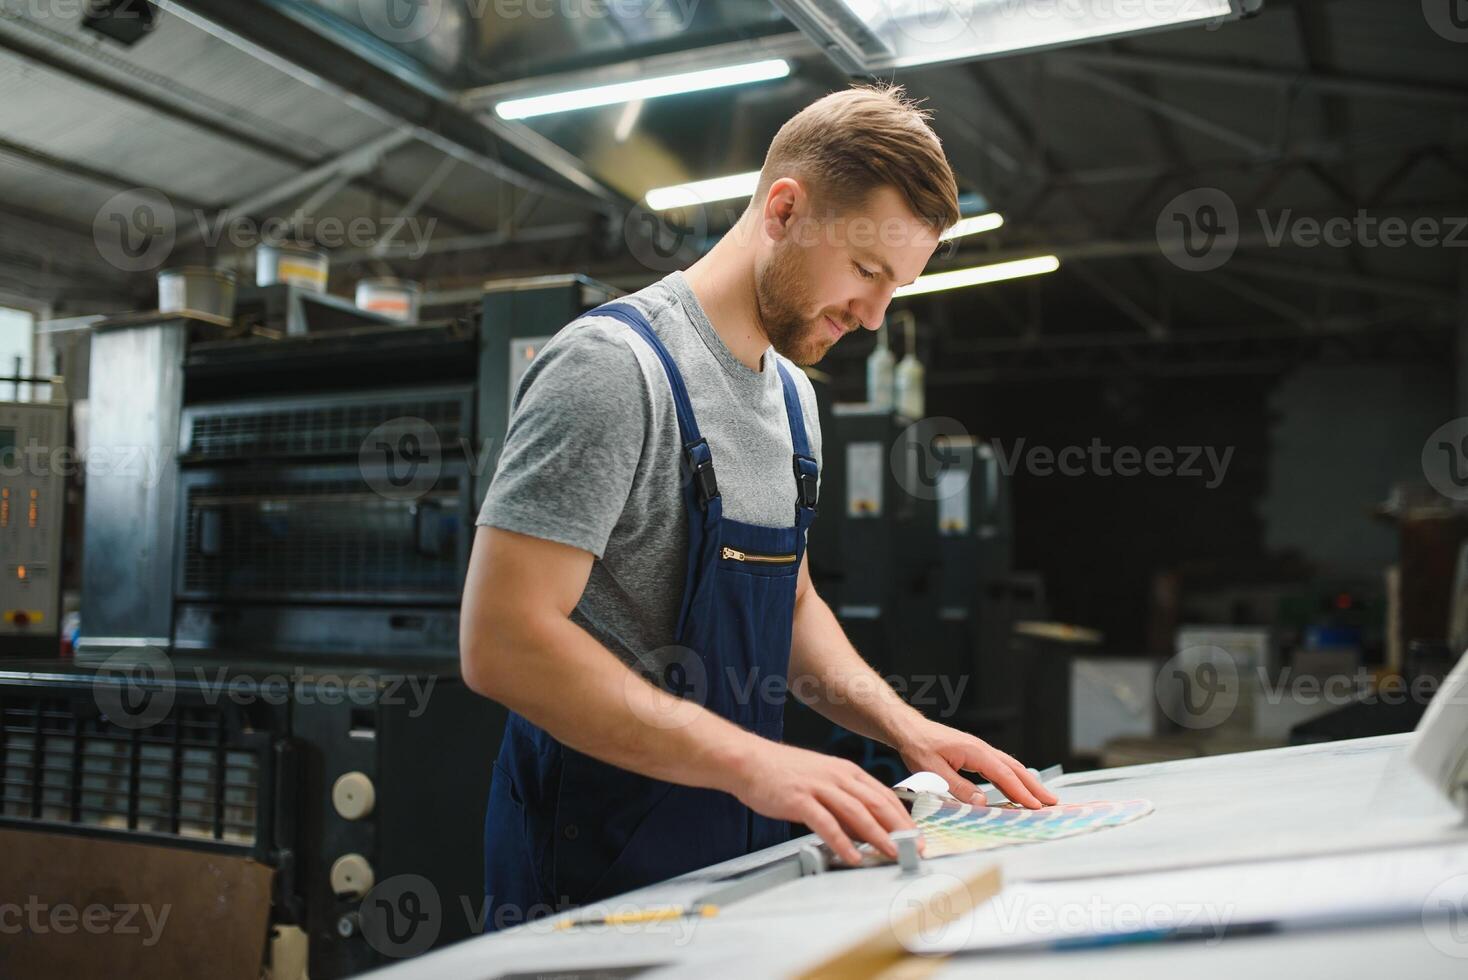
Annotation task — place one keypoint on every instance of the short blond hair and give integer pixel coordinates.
(849, 143)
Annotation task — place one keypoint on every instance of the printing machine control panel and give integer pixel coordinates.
(32, 487)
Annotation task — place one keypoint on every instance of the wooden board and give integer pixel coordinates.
(73, 906)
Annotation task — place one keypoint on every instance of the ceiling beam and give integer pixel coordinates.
(81, 171)
(1424, 292)
(290, 37)
(1167, 110)
(1233, 73)
(468, 243)
(1108, 290)
(1029, 135)
(1318, 48)
(354, 163)
(791, 44)
(1261, 298)
(192, 116)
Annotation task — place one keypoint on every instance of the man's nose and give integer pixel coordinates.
(869, 313)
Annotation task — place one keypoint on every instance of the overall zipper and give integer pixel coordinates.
(763, 559)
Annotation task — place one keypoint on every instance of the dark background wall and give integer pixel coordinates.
(1343, 434)
(1314, 448)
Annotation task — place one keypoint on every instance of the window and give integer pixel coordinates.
(17, 339)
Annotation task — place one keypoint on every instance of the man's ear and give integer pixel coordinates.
(781, 206)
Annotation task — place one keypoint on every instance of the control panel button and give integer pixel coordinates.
(351, 876)
(353, 795)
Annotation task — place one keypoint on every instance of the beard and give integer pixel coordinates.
(781, 301)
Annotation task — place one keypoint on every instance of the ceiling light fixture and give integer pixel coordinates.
(976, 225)
(874, 35)
(702, 191)
(643, 88)
(979, 275)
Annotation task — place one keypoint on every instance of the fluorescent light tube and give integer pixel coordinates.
(978, 275)
(643, 88)
(978, 224)
(871, 35)
(702, 191)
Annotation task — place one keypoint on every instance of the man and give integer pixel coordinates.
(647, 523)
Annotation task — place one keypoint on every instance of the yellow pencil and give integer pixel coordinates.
(645, 915)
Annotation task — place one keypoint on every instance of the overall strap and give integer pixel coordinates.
(696, 452)
(806, 471)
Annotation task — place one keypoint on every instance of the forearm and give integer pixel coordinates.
(560, 678)
(829, 675)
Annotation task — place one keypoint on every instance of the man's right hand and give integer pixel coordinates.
(831, 796)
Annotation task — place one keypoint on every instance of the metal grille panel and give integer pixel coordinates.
(314, 430)
(180, 777)
(327, 538)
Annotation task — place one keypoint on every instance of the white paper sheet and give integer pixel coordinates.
(1386, 884)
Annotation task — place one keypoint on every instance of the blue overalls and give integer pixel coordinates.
(564, 829)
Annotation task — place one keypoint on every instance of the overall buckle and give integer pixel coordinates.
(702, 471)
(805, 481)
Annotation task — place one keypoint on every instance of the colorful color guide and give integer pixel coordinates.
(950, 827)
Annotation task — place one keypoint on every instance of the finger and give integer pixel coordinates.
(1032, 782)
(887, 809)
(961, 788)
(1008, 782)
(882, 802)
(857, 820)
(820, 820)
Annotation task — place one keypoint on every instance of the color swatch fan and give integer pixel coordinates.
(951, 827)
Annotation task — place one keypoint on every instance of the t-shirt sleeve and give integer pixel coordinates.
(577, 429)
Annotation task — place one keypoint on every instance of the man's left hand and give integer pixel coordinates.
(948, 752)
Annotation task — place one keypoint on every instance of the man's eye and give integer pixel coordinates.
(865, 273)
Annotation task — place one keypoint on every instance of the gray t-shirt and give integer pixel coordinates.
(592, 456)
